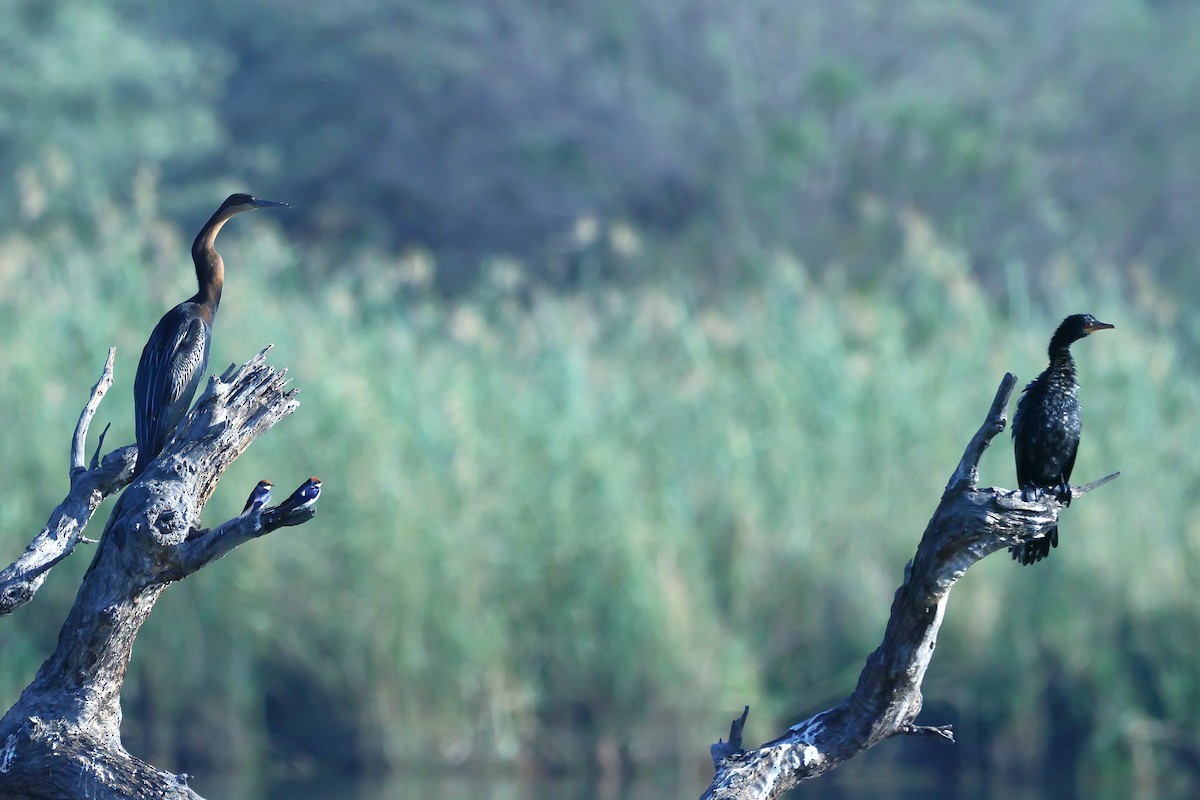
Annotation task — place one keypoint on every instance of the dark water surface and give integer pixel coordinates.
(881, 786)
(427, 787)
(868, 776)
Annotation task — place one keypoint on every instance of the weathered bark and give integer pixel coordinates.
(89, 487)
(62, 737)
(969, 524)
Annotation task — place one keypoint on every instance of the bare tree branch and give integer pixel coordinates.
(89, 487)
(967, 471)
(79, 440)
(204, 547)
(722, 750)
(968, 525)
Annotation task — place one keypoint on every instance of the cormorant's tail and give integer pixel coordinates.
(1034, 551)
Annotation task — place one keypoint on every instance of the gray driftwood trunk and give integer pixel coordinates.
(969, 524)
(62, 737)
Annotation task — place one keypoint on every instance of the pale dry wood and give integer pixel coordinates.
(20, 580)
(79, 440)
(62, 737)
(969, 524)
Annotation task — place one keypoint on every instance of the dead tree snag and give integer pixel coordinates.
(969, 524)
(62, 737)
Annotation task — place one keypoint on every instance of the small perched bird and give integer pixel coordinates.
(174, 358)
(303, 497)
(258, 498)
(1046, 429)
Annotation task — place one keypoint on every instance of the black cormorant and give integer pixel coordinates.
(1046, 428)
(174, 359)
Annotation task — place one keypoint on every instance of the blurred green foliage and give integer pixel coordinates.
(88, 96)
(805, 239)
(1025, 131)
(560, 526)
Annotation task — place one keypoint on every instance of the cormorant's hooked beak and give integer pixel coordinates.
(257, 203)
(1099, 326)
